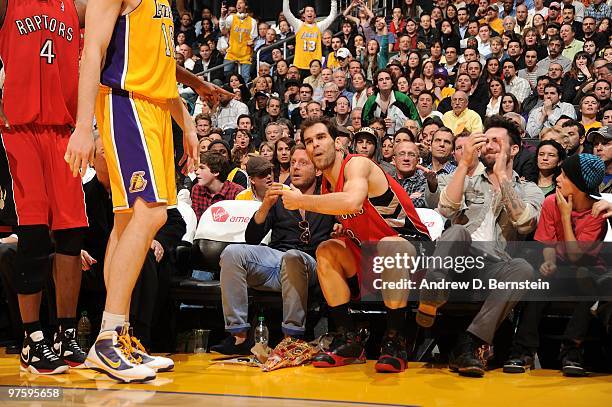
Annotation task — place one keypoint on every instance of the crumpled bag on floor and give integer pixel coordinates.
(290, 352)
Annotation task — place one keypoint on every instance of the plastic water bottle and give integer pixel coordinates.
(83, 332)
(261, 332)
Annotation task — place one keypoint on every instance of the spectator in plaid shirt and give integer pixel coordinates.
(598, 10)
(212, 185)
(406, 158)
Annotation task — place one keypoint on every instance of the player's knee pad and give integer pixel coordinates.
(32, 262)
(69, 242)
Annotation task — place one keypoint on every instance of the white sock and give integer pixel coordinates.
(111, 321)
(37, 336)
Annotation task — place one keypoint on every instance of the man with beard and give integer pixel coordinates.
(287, 264)
(555, 47)
(515, 85)
(487, 210)
(229, 110)
(372, 207)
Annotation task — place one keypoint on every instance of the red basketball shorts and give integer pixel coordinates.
(44, 190)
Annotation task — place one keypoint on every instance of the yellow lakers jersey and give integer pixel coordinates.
(140, 55)
(307, 45)
(240, 35)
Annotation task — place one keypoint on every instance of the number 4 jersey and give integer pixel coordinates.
(140, 55)
(39, 47)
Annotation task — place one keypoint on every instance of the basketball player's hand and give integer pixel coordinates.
(291, 198)
(189, 160)
(80, 151)
(210, 93)
(337, 231)
(86, 260)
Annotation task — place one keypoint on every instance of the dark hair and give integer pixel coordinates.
(497, 121)
(290, 143)
(216, 163)
(572, 123)
(244, 116)
(517, 105)
(406, 131)
(432, 120)
(560, 152)
(553, 85)
(329, 125)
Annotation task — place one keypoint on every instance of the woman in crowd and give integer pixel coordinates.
(549, 156)
(436, 17)
(589, 107)
(428, 75)
(403, 85)
(376, 57)
(361, 92)
(282, 160)
(387, 148)
(532, 40)
(411, 9)
(403, 134)
(397, 25)
(359, 46)
(539, 25)
(413, 67)
(491, 69)
(580, 72)
(448, 35)
(451, 14)
(435, 54)
(363, 19)
(496, 94)
(237, 82)
(509, 103)
(266, 150)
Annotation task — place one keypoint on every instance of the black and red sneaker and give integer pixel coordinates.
(66, 347)
(38, 358)
(345, 349)
(393, 356)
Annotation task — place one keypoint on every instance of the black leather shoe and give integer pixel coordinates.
(467, 358)
(572, 361)
(520, 361)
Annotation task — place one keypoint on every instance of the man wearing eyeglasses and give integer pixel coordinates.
(371, 207)
(287, 264)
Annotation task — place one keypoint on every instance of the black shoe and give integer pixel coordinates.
(393, 356)
(229, 347)
(572, 361)
(38, 358)
(66, 347)
(345, 349)
(520, 361)
(468, 357)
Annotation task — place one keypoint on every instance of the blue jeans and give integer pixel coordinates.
(244, 69)
(266, 269)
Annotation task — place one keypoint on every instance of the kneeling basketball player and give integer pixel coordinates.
(372, 208)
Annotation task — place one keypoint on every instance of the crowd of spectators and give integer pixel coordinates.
(411, 88)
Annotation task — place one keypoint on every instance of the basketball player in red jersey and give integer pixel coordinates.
(372, 208)
(39, 47)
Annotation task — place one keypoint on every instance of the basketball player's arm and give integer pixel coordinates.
(350, 200)
(3, 119)
(190, 140)
(101, 16)
(206, 90)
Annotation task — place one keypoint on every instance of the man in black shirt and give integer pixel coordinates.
(286, 265)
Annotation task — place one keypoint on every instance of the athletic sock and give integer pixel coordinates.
(65, 323)
(111, 321)
(342, 318)
(396, 320)
(33, 330)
